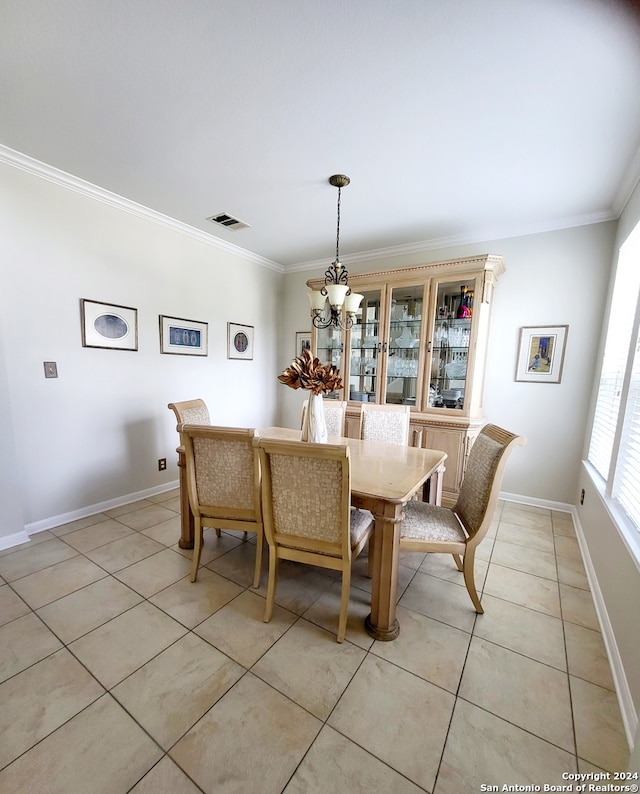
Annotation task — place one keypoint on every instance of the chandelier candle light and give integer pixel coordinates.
(308, 372)
(336, 283)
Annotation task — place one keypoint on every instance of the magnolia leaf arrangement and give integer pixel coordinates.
(308, 372)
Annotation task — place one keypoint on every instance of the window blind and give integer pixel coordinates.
(626, 489)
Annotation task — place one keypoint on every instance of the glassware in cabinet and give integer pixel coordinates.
(404, 345)
(365, 346)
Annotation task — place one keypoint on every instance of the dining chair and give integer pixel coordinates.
(191, 412)
(335, 412)
(223, 481)
(308, 518)
(387, 423)
(459, 530)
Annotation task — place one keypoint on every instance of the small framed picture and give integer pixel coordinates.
(541, 353)
(108, 325)
(239, 341)
(183, 337)
(303, 342)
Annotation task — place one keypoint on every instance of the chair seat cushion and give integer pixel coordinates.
(424, 521)
(360, 522)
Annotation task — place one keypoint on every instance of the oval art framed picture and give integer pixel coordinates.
(239, 341)
(108, 325)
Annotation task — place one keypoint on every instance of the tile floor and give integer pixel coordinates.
(117, 674)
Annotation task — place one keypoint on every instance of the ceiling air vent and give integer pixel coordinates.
(228, 221)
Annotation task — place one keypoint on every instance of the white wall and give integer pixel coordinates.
(96, 432)
(553, 278)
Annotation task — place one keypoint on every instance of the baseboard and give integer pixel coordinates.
(91, 510)
(625, 701)
(532, 501)
(15, 539)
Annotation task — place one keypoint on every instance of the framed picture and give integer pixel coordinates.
(303, 342)
(541, 353)
(239, 341)
(108, 325)
(183, 337)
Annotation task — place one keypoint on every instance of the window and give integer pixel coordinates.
(614, 449)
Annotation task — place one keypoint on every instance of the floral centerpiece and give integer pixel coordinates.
(309, 373)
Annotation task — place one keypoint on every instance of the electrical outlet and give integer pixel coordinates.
(162, 464)
(582, 496)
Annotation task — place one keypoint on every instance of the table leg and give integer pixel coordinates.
(186, 516)
(382, 623)
(432, 489)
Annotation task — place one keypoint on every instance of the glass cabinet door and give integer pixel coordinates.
(450, 344)
(329, 349)
(405, 326)
(365, 346)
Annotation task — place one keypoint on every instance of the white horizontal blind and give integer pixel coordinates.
(626, 489)
(614, 363)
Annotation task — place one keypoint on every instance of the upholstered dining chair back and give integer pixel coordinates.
(386, 423)
(223, 481)
(458, 531)
(191, 412)
(306, 502)
(335, 412)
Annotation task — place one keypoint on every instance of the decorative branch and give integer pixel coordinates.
(308, 372)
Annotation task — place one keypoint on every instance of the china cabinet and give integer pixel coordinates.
(421, 340)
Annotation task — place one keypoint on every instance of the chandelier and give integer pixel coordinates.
(336, 291)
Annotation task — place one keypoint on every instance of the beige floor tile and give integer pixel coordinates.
(238, 563)
(11, 605)
(408, 559)
(523, 630)
(57, 580)
(122, 510)
(298, 586)
(167, 532)
(577, 607)
(336, 764)
(97, 535)
(40, 699)
(523, 588)
(118, 648)
(165, 778)
(192, 602)
(173, 503)
(587, 656)
(571, 571)
(169, 694)
(154, 573)
(307, 665)
(79, 523)
(534, 561)
(523, 691)
(110, 753)
(325, 612)
(34, 558)
(567, 547)
(360, 578)
(23, 642)
(81, 612)
(146, 517)
(443, 566)
(252, 740)
(214, 547)
(441, 600)
(238, 629)
(427, 648)
(397, 717)
(600, 735)
(484, 749)
(563, 524)
(121, 553)
(526, 516)
(532, 537)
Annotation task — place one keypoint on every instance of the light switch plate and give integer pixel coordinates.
(50, 369)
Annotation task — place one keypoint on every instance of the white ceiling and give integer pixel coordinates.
(457, 120)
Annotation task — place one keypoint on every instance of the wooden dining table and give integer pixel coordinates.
(384, 477)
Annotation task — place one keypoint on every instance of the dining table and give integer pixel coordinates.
(384, 477)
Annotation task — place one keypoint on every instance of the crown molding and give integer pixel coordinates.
(473, 238)
(48, 172)
(628, 185)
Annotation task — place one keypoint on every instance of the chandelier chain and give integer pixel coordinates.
(338, 228)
